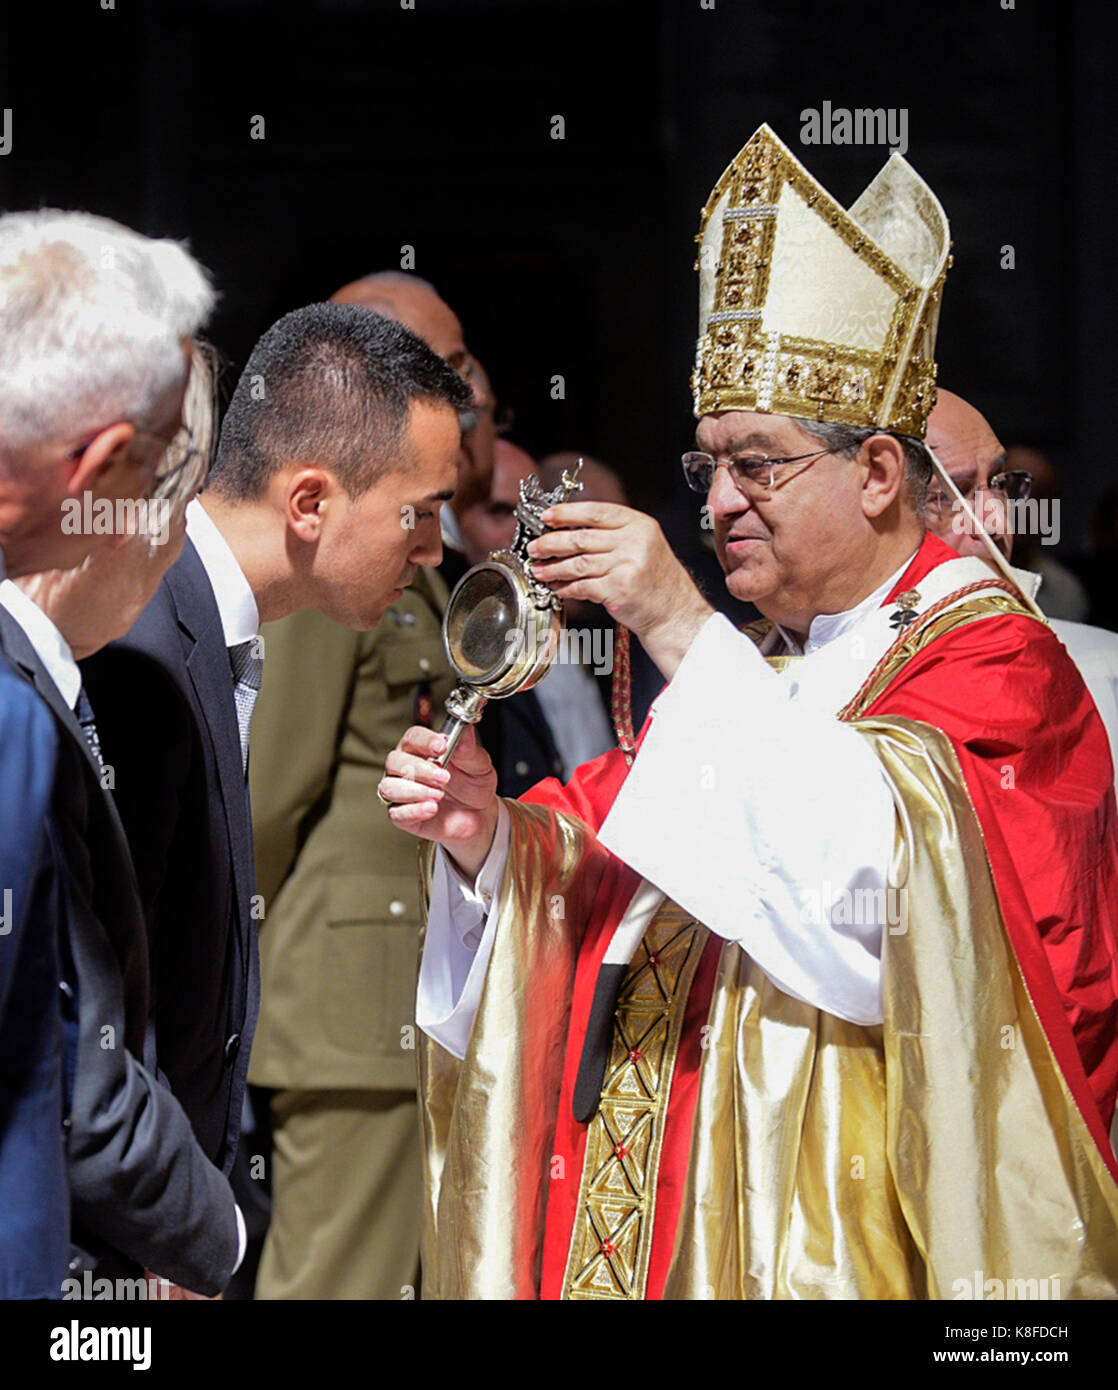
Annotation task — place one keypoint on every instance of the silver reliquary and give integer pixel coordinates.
(501, 626)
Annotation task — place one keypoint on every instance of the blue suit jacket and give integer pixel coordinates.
(142, 1193)
(34, 1194)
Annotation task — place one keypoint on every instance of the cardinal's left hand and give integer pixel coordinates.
(619, 558)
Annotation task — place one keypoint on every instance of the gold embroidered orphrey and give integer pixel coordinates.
(808, 310)
(958, 609)
(611, 1244)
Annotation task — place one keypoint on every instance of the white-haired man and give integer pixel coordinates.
(766, 1014)
(96, 324)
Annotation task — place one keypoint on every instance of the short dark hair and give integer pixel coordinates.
(333, 383)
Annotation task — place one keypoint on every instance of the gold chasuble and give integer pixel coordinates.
(611, 1245)
(940, 1154)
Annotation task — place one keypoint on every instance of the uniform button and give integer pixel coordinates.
(67, 989)
(522, 768)
(74, 1265)
(397, 908)
(557, 765)
(232, 1047)
(424, 663)
(67, 1125)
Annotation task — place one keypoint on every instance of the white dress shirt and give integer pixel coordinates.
(240, 622)
(570, 702)
(236, 603)
(51, 647)
(751, 806)
(827, 626)
(451, 531)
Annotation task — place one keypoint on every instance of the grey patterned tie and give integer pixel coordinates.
(84, 711)
(248, 671)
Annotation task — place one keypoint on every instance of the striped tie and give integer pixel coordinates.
(248, 671)
(84, 711)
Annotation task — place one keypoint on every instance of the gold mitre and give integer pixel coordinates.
(808, 310)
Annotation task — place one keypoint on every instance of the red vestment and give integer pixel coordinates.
(1037, 765)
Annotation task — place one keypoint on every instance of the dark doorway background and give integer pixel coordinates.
(430, 127)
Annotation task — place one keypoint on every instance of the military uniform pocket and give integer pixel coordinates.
(369, 962)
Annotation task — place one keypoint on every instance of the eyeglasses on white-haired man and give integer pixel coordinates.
(96, 329)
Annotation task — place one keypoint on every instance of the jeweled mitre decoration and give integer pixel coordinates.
(809, 310)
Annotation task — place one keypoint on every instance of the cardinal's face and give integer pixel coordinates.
(781, 545)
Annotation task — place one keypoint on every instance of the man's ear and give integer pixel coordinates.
(884, 460)
(308, 495)
(99, 460)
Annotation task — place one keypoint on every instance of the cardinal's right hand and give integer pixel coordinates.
(454, 805)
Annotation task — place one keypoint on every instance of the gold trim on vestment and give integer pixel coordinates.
(611, 1243)
(783, 660)
(488, 1121)
(939, 1155)
(941, 618)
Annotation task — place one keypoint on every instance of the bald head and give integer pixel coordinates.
(961, 437)
(969, 450)
(512, 465)
(413, 302)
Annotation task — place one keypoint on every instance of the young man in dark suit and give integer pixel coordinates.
(339, 948)
(338, 447)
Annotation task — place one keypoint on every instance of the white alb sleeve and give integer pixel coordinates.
(461, 925)
(771, 822)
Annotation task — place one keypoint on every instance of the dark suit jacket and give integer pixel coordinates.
(34, 1197)
(517, 736)
(163, 700)
(140, 1183)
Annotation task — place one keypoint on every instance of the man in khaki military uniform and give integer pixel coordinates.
(340, 936)
(339, 945)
